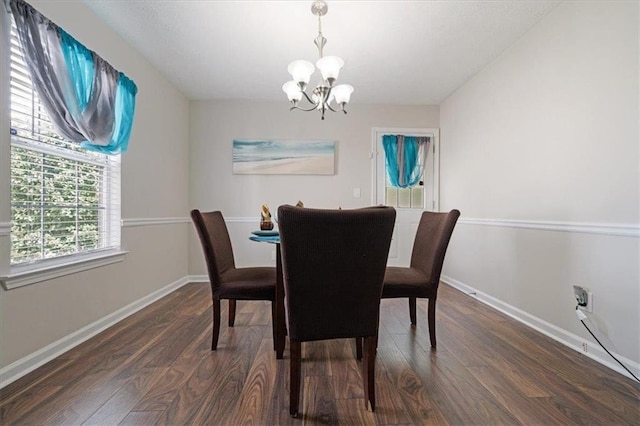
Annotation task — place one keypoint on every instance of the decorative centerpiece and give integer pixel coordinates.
(265, 219)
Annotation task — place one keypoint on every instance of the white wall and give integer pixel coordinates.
(549, 133)
(154, 185)
(214, 125)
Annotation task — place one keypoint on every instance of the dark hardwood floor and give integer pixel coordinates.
(156, 367)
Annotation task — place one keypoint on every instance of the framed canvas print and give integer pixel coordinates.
(280, 157)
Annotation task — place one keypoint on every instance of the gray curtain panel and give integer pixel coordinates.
(424, 143)
(41, 41)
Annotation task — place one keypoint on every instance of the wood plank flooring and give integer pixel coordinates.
(156, 367)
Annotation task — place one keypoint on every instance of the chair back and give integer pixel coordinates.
(216, 244)
(430, 245)
(333, 268)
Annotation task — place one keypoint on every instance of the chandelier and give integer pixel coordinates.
(325, 92)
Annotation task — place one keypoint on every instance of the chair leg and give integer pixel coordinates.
(368, 372)
(294, 377)
(412, 310)
(274, 326)
(216, 324)
(432, 321)
(232, 312)
(358, 348)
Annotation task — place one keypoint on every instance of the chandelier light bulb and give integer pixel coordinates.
(292, 90)
(301, 71)
(342, 93)
(330, 67)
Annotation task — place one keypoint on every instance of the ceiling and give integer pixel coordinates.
(395, 52)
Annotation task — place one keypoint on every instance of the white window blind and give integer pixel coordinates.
(64, 201)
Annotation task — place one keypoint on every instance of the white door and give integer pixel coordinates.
(408, 202)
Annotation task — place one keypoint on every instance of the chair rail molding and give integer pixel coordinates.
(5, 228)
(621, 230)
(151, 221)
(239, 219)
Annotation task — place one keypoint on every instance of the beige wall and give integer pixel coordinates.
(214, 125)
(549, 133)
(154, 185)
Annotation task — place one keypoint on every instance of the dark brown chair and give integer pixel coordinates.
(227, 281)
(422, 277)
(333, 265)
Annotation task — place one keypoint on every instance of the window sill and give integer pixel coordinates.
(25, 276)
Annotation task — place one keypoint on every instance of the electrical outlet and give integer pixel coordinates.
(589, 307)
(581, 295)
(584, 298)
(584, 347)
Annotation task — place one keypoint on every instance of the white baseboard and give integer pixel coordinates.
(198, 278)
(23, 366)
(556, 333)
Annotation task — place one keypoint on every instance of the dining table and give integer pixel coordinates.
(279, 339)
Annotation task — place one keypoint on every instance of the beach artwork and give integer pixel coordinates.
(276, 157)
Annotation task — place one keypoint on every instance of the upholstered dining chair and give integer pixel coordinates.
(422, 277)
(227, 281)
(333, 268)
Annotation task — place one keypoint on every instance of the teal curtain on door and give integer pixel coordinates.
(403, 160)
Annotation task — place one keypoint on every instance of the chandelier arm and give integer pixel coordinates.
(302, 109)
(308, 98)
(327, 103)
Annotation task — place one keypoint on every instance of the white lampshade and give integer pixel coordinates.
(292, 90)
(301, 71)
(342, 93)
(330, 67)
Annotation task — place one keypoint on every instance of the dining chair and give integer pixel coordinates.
(422, 277)
(333, 265)
(227, 281)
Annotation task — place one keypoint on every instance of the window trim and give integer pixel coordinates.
(27, 274)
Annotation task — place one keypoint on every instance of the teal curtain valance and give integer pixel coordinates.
(89, 101)
(405, 158)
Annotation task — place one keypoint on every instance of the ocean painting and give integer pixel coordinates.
(276, 157)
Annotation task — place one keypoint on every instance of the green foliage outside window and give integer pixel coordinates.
(55, 205)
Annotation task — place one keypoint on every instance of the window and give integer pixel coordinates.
(405, 198)
(65, 201)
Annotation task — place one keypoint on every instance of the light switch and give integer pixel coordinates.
(356, 192)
